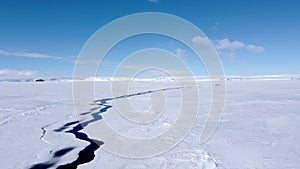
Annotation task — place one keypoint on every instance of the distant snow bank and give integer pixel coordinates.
(158, 79)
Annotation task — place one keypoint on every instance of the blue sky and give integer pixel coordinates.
(252, 37)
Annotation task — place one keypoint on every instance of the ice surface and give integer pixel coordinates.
(259, 128)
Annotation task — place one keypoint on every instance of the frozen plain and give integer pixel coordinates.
(259, 128)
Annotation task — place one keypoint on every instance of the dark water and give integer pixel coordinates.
(88, 153)
(54, 159)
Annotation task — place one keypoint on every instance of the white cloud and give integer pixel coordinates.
(256, 49)
(235, 45)
(201, 40)
(180, 52)
(10, 73)
(28, 54)
(226, 44)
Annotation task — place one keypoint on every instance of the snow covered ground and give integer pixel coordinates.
(259, 128)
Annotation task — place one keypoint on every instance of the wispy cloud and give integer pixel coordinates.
(28, 54)
(154, 1)
(180, 52)
(235, 45)
(215, 26)
(11, 73)
(226, 47)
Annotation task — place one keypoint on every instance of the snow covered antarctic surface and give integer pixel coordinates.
(259, 129)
